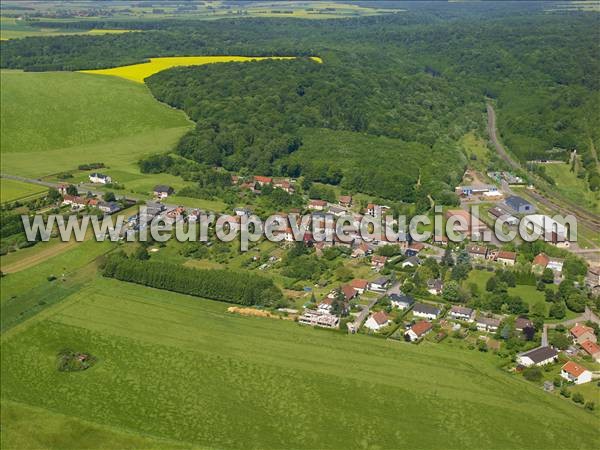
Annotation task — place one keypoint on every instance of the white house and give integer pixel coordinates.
(417, 331)
(100, 178)
(539, 356)
(489, 324)
(161, 191)
(377, 321)
(575, 373)
(401, 301)
(413, 261)
(461, 313)
(380, 284)
(435, 286)
(426, 311)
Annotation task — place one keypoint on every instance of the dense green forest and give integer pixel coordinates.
(419, 78)
(223, 285)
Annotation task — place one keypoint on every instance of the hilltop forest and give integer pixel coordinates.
(419, 80)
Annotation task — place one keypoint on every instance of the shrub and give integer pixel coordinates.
(590, 406)
(565, 392)
(578, 397)
(532, 374)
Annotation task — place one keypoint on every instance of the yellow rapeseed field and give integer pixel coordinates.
(139, 72)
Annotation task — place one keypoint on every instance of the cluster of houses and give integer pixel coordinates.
(571, 371)
(482, 253)
(254, 183)
(78, 203)
(509, 177)
(323, 315)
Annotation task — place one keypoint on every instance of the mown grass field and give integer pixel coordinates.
(11, 190)
(54, 121)
(181, 368)
(26, 289)
(139, 72)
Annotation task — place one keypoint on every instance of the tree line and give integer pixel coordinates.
(223, 285)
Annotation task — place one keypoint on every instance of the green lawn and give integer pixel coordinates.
(11, 190)
(181, 368)
(54, 121)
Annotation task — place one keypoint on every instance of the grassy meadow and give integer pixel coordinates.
(54, 121)
(180, 368)
(572, 187)
(11, 190)
(139, 72)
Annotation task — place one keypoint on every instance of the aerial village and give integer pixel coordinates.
(413, 292)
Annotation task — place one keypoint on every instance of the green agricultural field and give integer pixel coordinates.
(54, 121)
(181, 368)
(27, 291)
(11, 190)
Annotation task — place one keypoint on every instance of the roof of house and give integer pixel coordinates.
(98, 175)
(507, 255)
(359, 283)
(414, 260)
(262, 179)
(477, 249)
(522, 322)
(435, 284)
(418, 246)
(381, 281)
(345, 198)
(516, 202)
(591, 347)
(461, 310)
(317, 202)
(162, 188)
(540, 354)
(541, 260)
(426, 309)
(348, 291)
(380, 317)
(401, 298)
(378, 259)
(579, 330)
(573, 368)
(421, 328)
(489, 321)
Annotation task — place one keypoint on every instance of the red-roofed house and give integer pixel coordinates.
(359, 285)
(582, 333)
(377, 321)
(507, 258)
(418, 330)
(262, 180)
(318, 205)
(575, 373)
(378, 261)
(345, 200)
(591, 349)
(349, 292)
(539, 263)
